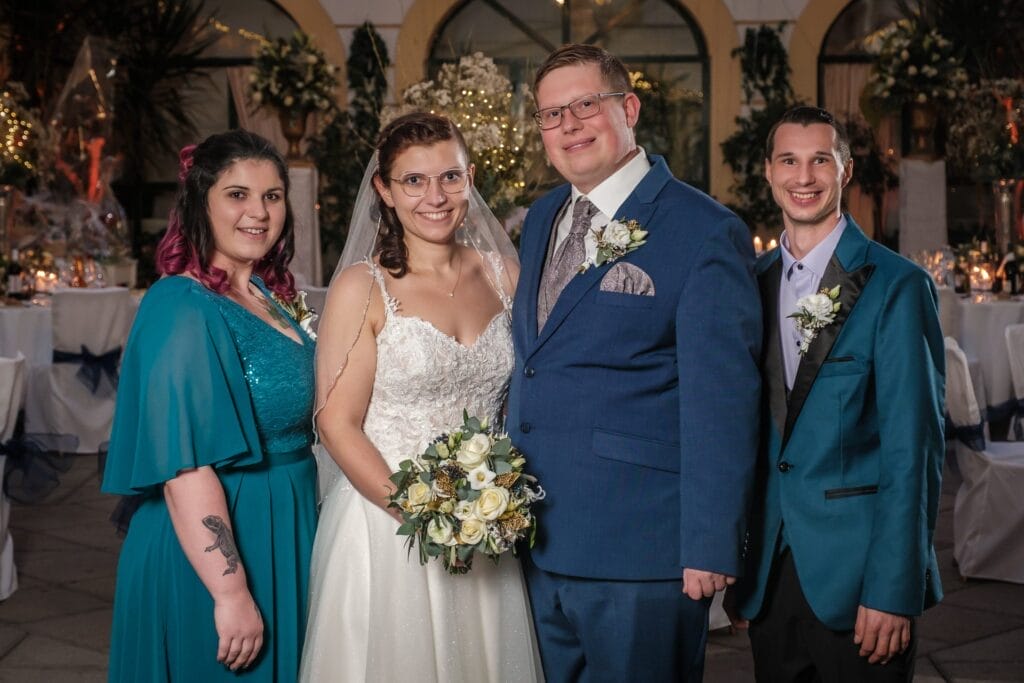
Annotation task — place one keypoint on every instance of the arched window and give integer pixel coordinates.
(844, 64)
(658, 40)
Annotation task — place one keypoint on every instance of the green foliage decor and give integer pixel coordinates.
(767, 90)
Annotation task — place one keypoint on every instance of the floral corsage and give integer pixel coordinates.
(301, 313)
(613, 241)
(816, 312)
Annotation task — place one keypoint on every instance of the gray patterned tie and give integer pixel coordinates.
(566, 261)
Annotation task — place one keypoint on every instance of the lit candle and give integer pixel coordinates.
(772, 244)
(758, 244)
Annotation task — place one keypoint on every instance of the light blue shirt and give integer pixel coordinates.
(800, 278)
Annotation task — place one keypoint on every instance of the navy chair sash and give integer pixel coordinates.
(94, 366)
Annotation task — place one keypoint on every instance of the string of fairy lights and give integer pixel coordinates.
(15, 133)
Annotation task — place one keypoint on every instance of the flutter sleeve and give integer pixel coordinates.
(182, 399)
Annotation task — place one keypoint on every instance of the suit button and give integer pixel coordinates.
(784, 467)
(529, 372)
(524, 427)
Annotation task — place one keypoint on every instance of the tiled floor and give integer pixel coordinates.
(56, 627)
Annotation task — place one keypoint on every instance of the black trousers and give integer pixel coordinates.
(790, 644)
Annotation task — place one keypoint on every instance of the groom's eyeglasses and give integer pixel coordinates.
(582, 108)
(451, 181)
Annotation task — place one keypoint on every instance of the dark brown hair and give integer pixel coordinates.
(574, 54)
(410, 130)
(187, 245)
(805, 116)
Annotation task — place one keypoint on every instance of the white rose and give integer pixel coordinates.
(447, 507)
(472, 531)
(818, 306)
(616, 234)
(921, 97)
(473, 452)
(442, 450)
(463, 510)
(912, 70)
(419, 494)
(480, 477)
(440, 530)
(491, 504)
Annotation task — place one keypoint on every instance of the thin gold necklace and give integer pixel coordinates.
(458, 276)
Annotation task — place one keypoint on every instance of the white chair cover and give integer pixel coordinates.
(988, 517)
(949, 311)
(59, 403)
(12, 386)
(1015, 350)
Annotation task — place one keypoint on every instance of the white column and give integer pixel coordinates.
(306, 266)
(922, 206)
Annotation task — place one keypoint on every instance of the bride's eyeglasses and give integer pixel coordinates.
(451, 181)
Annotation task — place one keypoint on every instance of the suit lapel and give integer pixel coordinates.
(775, 375)
(852, 249)
(640, 206)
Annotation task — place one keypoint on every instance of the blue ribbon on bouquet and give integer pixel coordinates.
(93, 366)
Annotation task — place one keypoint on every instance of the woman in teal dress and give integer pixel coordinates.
(213, 430)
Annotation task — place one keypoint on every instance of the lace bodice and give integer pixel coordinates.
(426, 378)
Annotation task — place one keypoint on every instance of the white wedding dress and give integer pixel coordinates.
(376, 614)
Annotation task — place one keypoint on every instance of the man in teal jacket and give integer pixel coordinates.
(840, 555)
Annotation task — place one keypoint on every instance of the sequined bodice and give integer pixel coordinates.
(279, 372)
(425, 379)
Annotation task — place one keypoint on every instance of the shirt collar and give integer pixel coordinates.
(613, 191)
(817, 259)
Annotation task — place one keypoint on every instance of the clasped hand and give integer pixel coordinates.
(698, 584)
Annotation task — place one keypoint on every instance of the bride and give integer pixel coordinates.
(415, 329)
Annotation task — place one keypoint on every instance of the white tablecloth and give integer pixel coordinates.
(27, 329)
(980, 331)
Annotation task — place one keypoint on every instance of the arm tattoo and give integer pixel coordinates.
(225, 542)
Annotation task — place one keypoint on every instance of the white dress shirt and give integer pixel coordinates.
(800, 278)
(607, 197)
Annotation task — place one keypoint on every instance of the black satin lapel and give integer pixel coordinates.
(850, 286)
(771, 359)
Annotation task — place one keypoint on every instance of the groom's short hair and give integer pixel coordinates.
(805, 116)
(574, 54)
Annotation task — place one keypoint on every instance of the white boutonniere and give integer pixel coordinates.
(613, 241)
(300, 312)
(816, 312)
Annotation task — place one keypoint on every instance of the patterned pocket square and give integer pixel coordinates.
(626, 278)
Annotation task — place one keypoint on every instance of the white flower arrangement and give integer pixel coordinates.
(465, 494)
(492, 117)
(293, 74)
(915, 64)
(299, 311)
(613, 241)
(815, 313)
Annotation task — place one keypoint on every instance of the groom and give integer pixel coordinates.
(636, 390)
(841, 537)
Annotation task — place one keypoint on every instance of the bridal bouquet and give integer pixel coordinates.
(465, 494)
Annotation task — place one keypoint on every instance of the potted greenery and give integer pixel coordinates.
(293, 76)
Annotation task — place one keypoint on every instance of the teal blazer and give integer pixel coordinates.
(850, 460)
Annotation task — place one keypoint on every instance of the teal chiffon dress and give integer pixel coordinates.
(205, 382)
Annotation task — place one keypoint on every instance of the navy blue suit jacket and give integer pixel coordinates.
(638, 413)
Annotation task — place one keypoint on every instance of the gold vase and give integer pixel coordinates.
(293, 127)
(923, 118)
